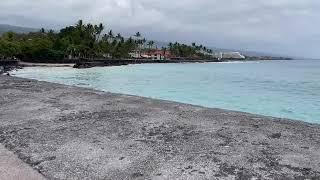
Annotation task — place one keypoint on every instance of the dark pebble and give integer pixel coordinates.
(276, 135)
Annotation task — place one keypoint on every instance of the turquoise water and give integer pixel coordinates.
(286, 89)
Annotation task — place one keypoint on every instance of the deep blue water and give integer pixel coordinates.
(286, 89)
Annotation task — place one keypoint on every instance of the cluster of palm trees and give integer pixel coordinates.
(186, 51)
(142, 42)
(110, 37)
(201, 48)
(86, 41)
(109, 44)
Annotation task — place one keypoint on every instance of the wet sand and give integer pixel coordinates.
(66, 132)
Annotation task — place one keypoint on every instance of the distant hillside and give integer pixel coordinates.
(5, 28)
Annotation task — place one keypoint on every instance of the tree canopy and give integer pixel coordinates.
(83, 41)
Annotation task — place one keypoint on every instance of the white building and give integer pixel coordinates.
(228, 55)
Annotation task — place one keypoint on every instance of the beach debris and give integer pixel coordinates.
(276, 135)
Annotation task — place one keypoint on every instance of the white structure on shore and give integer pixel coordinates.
(228, 55)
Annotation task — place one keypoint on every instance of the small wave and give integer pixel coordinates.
(83, 84)
(236, 62)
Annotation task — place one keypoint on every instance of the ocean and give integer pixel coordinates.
(285, 89)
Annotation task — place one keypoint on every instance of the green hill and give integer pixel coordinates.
(5, 28)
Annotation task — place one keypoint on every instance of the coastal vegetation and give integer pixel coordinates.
(193, 51)
(86, 41)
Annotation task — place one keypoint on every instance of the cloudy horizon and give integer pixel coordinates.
(286, 27)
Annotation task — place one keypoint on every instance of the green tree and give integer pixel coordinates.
(9, 49)
(150, 44)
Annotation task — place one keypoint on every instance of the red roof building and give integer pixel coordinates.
(157, 54)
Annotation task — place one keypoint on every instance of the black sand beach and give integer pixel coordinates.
(66, 132)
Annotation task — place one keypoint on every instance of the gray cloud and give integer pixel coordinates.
(278, 26)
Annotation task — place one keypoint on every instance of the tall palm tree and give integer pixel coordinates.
(170, 45)
(122, 39)
(130, 40)
(138, 42)
(143, 42)
(110, 36)
(79, 25)
(42, 30)
(204, 48)
(164, 49)
(118, 37)
(137, 35)
(101, 27)
(150, 44)
(105, 37)
(99, 30)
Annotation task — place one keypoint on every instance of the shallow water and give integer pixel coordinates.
(286, 89)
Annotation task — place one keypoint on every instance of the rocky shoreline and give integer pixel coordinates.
(82, 64)
(8, 65)
(67, 132)
(124, 62)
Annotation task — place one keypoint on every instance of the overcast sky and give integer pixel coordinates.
(279, 26)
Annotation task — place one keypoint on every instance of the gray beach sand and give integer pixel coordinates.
(66, 132)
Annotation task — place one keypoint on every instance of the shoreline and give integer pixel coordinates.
(12, 74)
(71, 132)
(27, 64)
(9, 65)
(92, 63)
(124, 62)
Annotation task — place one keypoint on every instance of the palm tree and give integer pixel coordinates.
(150, 44)
(143, 42)
(101, 27)
(105, 37)
(130, 40)
(170, 46)
(42, 30)
(164, 49)
(99, 30)
(122, 40)
(138, 41)
(80, 26)
(137, 35)
(90, 29)
(118, 37)
(130, 44)
(204, 48)
(110, 36)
